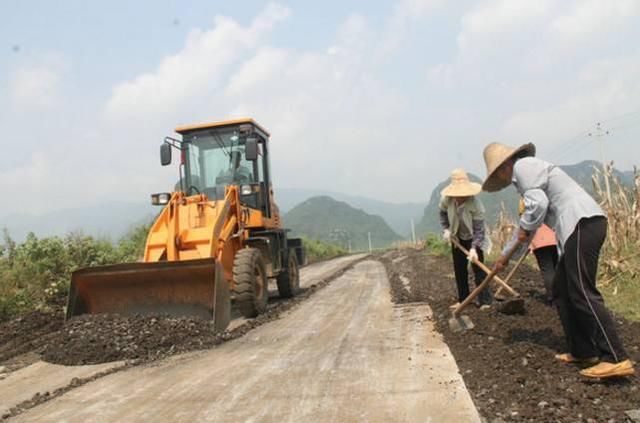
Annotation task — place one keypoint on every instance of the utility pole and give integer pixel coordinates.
(369, 235)
(413, 231)
(599, 136)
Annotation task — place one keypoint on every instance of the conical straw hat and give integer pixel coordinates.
(460, 185)
(495, 154)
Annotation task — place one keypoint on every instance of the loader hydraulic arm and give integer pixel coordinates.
(192, 227)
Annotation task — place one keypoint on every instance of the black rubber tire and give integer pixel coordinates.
(251, 284)
(289, 279)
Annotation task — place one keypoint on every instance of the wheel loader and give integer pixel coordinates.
(215, 244)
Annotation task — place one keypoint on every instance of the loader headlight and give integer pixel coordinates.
(160, 199)
(246, 189)
(249, 189)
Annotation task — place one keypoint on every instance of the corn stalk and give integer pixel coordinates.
(502, 232)
(621, 252)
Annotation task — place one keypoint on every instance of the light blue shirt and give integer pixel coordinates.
(552, 197)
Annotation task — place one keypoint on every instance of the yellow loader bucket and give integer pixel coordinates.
(179, 288)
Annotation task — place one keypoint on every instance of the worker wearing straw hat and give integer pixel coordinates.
(552, 197)
(462, 216)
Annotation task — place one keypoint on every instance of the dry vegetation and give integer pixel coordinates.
(623, 240)
(620, 262)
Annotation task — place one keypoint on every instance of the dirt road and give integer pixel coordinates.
(345, 354)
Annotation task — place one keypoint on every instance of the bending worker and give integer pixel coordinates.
(462, 216)
(552, 197)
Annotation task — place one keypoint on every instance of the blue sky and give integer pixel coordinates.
(380, 99)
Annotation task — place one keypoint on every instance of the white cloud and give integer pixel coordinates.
(499, 16)
(343, 117)
(32, 176)
(261, 68)
(36, 86)
(320, 106)
(404, 13)
(501, 28)
(197, 69)
(589, 18)
(603, 89)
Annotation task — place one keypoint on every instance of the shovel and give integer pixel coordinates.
(459, 323)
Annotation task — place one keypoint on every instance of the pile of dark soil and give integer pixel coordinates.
(27, 334)
(110, 337)
(507, 360)
(93, 339)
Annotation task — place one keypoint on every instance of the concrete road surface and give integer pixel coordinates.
(41, 377)
(345, 354)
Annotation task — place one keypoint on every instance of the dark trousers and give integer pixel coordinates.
(587, 324)
(461, 271)
(547, 258)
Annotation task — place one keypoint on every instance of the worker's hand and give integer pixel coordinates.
(501, 263)
(473, 255)
(446, 235)
(523, 235)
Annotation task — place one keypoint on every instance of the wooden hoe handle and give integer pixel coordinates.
(513, 271)
(484, 283)
(481, 265)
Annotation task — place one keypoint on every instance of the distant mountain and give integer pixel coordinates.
(326, 219)
(508, 197)
(397, 215)
(111, 221)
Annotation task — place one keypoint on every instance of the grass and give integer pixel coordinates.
(623, 299)
(434, 244)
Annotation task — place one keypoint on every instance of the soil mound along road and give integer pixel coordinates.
(507, 360)
(94, 339)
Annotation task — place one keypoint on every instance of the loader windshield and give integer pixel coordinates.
(214, 160)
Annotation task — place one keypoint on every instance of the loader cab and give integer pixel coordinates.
(217, 155)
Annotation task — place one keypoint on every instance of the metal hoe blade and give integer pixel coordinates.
(512, 306)
(460, 323)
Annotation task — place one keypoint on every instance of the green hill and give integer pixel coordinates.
(329, 220)
(508, 197)
(397, 215)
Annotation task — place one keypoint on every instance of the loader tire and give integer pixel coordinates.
(289, 279)
(251, 283)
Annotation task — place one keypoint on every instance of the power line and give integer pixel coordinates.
(622, 116)
(583, 139)
(569, 141)
(625, 127)
(587, 142)
(569, 145)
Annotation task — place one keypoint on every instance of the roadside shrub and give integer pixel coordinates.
(131, 246)
(321, 250)
(434, 244)
(36, 274)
